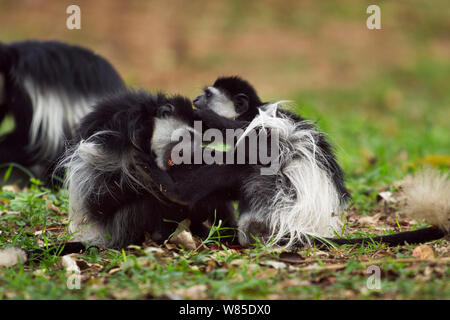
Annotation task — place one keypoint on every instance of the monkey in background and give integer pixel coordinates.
(48, 86)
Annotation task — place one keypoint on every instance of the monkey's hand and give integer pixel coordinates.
(158, 177)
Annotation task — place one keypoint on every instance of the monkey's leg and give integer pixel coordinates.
(12, 148)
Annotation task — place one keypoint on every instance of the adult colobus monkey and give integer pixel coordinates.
(120, 177)
(48, 87)
(118, 180)
(305, 197)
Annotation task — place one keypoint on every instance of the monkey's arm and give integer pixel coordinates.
(210, 119)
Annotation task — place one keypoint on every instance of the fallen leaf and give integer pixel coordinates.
(292, 283)
(185, 239)
(156, 251)
(274, 264)
(237, 262)
(195, 292)
(114, 270)
(387, 197)
(370, 220)
(435, 160)
(52, 207)
(211, 266)
(171, 246)
(267, 273)
(13, 188)
(423, 252)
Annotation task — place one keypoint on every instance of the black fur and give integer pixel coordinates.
(70, 70)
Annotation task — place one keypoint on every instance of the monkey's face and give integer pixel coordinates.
(173, 118)
(222, 102)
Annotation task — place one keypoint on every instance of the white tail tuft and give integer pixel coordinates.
(12, 256)
(428, 198)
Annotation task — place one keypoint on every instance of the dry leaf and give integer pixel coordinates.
(423, 252)
(370, 220)
(274, 264)
(195, 293)
(114, 270)
(211, 266)
(237, 262)
(13, 188)
(435, 160)
(185, 239)
(156, 251)
(52, 207)
(171, 246)
(292, 282)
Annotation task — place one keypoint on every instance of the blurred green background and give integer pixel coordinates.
(381, 95)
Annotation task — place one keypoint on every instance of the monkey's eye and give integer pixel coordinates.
(208, 94)
(165, 110)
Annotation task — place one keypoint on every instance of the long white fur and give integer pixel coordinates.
(12, 256)
(87, 164)
(428, 197)
(53, 110)
(221, 104)
(309, 204)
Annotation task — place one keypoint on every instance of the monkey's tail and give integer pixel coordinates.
(427, 196)
(11, 256)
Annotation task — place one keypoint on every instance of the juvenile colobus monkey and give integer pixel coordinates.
(48, 87)
(305, 197)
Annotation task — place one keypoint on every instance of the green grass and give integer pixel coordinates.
(378, 143)
(384, 127)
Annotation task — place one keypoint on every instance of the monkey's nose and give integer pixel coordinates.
(196, 100)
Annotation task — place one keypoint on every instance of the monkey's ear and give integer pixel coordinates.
(165, 110)
(240, 103)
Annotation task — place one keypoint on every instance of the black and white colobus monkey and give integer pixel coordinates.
(120, 178)
(305, 197)
(48, 87)
(307, 193)
(118, 174)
